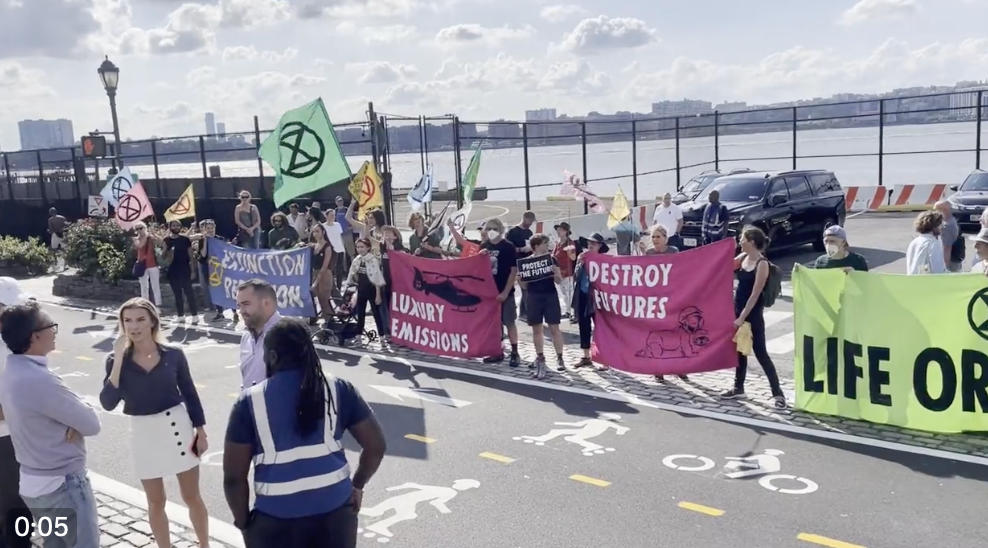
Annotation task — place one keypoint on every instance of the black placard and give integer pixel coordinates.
(533, 269)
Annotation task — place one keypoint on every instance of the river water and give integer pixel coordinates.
(503, 172)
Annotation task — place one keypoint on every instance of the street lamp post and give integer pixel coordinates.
(109, 74)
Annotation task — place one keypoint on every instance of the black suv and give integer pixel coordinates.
(792, 207)
(970, 200)
(697, 184)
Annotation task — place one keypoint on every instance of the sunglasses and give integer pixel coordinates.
(52, 326)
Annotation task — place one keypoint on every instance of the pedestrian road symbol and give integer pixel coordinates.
(307, 150)
(406, 504)
(580, 433)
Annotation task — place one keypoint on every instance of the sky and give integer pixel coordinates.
(479, 59)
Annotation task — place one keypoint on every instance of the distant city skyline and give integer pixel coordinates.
(59, 133)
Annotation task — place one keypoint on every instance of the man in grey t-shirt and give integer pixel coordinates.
(948, 234)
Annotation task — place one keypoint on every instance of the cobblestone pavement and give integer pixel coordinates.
(699, 392)
(123, 525)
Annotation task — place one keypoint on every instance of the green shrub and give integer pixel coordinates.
(82, 242)
(113, 264)
(32, 254)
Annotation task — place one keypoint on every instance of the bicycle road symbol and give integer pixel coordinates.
(307, 148)
(182, 207)
(129, 209)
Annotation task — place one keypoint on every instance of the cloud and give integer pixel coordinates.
(457, 35)
(347, 9)
(574, 77)
(250, 53)
(799, 73)
(46, 28)
(388, 34)
(381, 72)
(561, 12)
(878, 10)
(18, 82)
(596, 35)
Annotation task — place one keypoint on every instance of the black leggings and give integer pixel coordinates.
(337, 529)
(183, 284)
(757, 321)
(365, 296)
(586, 330)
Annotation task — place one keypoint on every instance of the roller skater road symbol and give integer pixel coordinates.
(405, 505)
(581, 432)
(306, 148)
(767, 465)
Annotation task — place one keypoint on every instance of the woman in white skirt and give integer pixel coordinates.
(167, 434)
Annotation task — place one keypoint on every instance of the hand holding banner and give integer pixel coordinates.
(133, 208)
(183, 208)
(666, 314)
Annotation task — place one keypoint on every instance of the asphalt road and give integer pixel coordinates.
(463, 438)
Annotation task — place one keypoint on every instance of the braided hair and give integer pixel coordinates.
(288, 345)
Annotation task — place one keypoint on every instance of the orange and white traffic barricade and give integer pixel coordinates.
(916, 197)
(865, 198)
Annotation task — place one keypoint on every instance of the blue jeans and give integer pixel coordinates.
(76, 493)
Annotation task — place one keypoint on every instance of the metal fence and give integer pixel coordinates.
(925, 138)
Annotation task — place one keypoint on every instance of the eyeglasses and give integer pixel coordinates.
(52, 326)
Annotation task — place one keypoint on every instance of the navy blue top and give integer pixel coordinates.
(151, 392)
(351, 408)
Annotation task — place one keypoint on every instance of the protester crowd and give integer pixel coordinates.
(286, 395)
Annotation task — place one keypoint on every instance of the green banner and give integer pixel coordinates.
(909, 351)
(470, 177)
(304, 153)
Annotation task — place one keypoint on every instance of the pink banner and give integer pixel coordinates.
(445, 307)
(665, 314)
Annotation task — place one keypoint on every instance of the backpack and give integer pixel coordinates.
(773, 285)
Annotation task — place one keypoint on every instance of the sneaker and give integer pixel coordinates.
(780, 402)
(494, 359)
(560, 365)
(219, 317)
(584, 362)
(195, 319)
(683, 377)
(660, 379)
(539, 366)
(515, 360)
(732, 394)
(236, 318)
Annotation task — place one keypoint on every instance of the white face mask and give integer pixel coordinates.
(833, 250)
(491, 234)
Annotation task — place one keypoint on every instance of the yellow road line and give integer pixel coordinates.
(56, 351)
(234, 394)
(84, 358)
(498, 458)
(592, 481)
(422, 439)
(200, 386)
(701, 509)
(824, 541)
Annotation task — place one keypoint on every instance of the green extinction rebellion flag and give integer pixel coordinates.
(304, 153)
(470, 177)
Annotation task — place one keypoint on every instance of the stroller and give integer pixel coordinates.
(341, 324)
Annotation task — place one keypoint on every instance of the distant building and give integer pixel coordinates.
(210, 124)
(686, 107)
(46, 134)
(731, 106)
(540, 115)
(967, 98)
(221, 130)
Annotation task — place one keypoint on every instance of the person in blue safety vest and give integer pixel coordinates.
(291, 426)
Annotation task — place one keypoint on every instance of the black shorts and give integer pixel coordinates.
(543, 308)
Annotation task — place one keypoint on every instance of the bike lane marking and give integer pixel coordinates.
(824, 541)
(699, 508)
(590, 481)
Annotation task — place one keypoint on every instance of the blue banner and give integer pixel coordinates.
(290, 272)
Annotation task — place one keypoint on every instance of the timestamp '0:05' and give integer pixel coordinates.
(44, 526)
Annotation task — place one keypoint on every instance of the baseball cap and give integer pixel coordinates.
(835, 231)
(10, 292)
